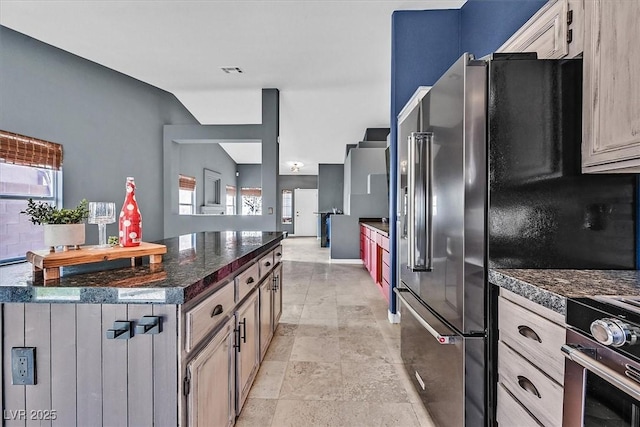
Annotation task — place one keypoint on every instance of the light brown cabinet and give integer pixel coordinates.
(277, 296)
(611, 107)
(266, 314)
(248, 342)
(530, 363)
(211, 379)
(555, 31)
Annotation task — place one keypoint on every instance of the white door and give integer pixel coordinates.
(305, 221)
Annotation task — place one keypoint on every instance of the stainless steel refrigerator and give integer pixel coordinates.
(489, 165)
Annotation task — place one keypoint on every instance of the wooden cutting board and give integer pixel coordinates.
(50, 262)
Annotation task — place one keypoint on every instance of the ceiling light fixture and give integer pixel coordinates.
(296, 166)
(232, 70)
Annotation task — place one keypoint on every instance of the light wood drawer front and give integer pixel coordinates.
(247, 280)
(277, 254)
(536, 338)
(510, 413)
(204, 317)
(384, 242)
(266, 264)
(538, 393)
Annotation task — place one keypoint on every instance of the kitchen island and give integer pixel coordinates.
(143, 345)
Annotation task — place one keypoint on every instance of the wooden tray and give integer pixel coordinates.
(50, 262)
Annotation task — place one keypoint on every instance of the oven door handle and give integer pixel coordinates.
(442, 339)
(619, 381)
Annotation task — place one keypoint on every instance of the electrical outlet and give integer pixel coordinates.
(23, 365)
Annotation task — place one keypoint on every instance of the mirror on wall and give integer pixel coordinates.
(231, 176)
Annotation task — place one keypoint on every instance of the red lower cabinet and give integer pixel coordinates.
(374, 252)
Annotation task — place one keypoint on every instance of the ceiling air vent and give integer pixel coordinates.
(232, 70)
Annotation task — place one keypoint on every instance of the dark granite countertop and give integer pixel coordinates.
(193, 263)
(383, 227)
(551, 288)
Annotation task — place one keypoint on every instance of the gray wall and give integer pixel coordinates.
(194, 158)
(330, 186)
(266, 132)
(291, 182)
(110, 125)
(365, 161)
(249, 176)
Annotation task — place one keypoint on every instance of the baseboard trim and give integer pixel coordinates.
(345, 261)
(393, 317)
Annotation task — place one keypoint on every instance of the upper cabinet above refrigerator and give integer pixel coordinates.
(554, 32)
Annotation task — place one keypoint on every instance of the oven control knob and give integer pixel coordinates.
(614, 332)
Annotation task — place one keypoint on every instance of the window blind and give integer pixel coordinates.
(26, 151)
(186, 182)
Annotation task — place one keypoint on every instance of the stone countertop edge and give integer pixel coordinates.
(380, 226)
(177, 280)
(551, 288)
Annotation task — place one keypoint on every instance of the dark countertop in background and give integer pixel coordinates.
(193, 263)
(550, 288)
(378, 225)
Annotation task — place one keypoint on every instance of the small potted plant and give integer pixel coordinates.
(62, 227)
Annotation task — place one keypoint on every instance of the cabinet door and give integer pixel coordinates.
(546, 33)
(247, 323)
(277, 295)
(611, 107)
(266, 314)
(211, 379)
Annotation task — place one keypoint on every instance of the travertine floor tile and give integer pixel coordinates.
(294, 413)
(280, 348)
(257, 413)
(325, 328)
(316, 349)
(269, 380)
(312, 381)
(364, 349)
(371, 382)
(367, 414)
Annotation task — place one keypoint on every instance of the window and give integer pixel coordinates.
(287, 207)
(186, 195)
(231, 200)
(251, 201)
(29, 168)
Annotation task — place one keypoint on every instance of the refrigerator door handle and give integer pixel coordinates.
(419, 207)
(442, 339)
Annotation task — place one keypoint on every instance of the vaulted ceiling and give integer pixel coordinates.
(330, 59)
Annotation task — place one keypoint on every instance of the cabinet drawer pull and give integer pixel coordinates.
(527, 385)
(267, 264)
(278, 254)
(527, 332)
(250, 280)
(217, 310)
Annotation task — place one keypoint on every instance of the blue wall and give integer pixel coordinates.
(424, 44)
(487, 24)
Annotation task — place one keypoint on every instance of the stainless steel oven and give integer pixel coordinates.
(602, 369)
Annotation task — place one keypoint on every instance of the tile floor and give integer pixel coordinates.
(335, 359)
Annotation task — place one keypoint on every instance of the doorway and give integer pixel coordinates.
(305, 202)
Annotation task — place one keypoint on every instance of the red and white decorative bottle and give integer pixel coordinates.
(130, 218)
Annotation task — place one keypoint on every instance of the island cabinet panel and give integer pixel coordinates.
(88, 349)
(84, 377)
(114, 369)
(64, 364)
(13, 336)
(165, 367)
